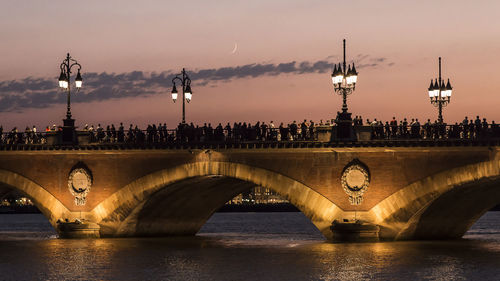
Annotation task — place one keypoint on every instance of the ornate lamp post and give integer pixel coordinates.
(440, 94)
(68, 134)
(344, 80)
(187, 94)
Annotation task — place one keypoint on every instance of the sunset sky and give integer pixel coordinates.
(280, 70)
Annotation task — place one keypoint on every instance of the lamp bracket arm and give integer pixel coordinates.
(176, 78)
(75, 63)
(63, 66)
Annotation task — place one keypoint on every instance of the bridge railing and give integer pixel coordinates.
(433, 132)
(199, 135)
(14, 137)
(210, 135)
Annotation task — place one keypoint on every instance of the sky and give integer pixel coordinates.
(280, 69)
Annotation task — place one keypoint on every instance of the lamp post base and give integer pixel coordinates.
(345, 130)
(68, 135)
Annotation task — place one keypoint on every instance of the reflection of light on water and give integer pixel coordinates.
(26, 235)
(362, 261)
(76, 259)
(345, 261)
(445, 268)
(262, 240)
(265, 251)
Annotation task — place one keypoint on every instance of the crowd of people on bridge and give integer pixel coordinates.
(405, 129)
(238, 132)
(262, 131)
(28, 136)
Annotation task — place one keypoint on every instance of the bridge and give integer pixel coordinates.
(407, 189)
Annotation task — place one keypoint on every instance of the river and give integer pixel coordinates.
(244, 246)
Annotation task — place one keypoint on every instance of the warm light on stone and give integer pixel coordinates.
(413, 193)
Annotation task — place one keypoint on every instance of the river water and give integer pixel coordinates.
(244, 246)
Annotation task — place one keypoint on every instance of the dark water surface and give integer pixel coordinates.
(244, 246)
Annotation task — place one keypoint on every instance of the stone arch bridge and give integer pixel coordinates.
(434, 192)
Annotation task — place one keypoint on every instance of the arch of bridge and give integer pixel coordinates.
(112, 212)
(443, 205)
(47, 203)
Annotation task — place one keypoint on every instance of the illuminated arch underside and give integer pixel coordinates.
(131, 210)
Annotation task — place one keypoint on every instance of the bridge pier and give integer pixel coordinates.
(78, 229)
(354, 231)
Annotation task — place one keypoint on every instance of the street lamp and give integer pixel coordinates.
(344, 79)
(68, 63)
(187, 94)
(440, 93)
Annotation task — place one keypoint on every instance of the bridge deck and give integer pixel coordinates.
(257, 145)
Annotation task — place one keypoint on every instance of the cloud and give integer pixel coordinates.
(29, 92)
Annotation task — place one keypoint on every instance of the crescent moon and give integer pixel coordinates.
(235, 48)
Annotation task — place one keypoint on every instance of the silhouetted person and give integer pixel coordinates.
(228, 131)
(121, 133)
(303, 130)
(394, 127)
(264, 132)
(311, 130)
(484, 128)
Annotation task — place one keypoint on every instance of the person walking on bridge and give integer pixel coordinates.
(293, 129)
(303, 130)
(121, 133)
(263, 131)
(100, 133)
(394, 127)
(228, 131)
(311, 130)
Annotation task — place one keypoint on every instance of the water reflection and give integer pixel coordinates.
(435, 260)
(254, 247)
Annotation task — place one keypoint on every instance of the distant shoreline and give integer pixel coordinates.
(280, 207)
(228, 208)
(19, 210)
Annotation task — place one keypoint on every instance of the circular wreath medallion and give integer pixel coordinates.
(355, 180)
(79, 183)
